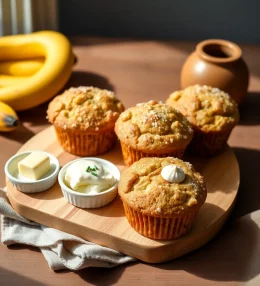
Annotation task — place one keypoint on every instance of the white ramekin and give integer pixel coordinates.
(90, 201)
(29, 186)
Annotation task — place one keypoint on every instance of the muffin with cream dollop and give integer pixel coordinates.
(162, 196)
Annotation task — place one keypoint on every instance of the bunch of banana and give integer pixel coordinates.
(33, 68)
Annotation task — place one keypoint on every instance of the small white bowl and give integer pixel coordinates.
(90, 201)
(30, 186)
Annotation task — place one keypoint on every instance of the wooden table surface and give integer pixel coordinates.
(138, 71)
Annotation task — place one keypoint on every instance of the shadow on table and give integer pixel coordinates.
(248, 198)
(85, 78)
(103, 276)
(249, 109)
(12, 278)
(231, 256)
(22, 134)
(23, 246)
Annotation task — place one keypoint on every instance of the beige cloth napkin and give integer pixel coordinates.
(60, 249)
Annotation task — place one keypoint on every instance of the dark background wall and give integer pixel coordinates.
(236, 20)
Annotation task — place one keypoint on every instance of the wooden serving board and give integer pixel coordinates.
(108, 226)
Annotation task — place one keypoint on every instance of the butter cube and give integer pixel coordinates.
(34, 166)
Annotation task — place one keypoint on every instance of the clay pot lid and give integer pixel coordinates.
(218, 51)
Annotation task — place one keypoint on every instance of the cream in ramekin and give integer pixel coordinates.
(89, 182)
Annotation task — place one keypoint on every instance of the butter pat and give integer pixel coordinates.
(34, 166)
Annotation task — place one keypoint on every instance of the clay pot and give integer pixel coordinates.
(217, 63)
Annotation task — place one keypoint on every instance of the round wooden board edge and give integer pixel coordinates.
(150, 251)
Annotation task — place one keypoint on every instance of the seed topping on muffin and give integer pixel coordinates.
(153, 125)
(85, 108)
(206, 107)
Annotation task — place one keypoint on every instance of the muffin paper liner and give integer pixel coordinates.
(159, 227)
(208, 144)
(131, 155)
(85, 144)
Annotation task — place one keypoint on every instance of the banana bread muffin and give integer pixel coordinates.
(212, 113)
(152, 129)
(84, 120)
(161, 196)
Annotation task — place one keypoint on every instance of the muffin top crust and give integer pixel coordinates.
(153, 126)
(85, 108)
(207, 108)
(144, 189)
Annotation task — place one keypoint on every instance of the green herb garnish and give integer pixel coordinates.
(92, 170)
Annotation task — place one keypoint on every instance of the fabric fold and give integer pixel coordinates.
(61, 250)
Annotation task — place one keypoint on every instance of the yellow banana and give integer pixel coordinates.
(21, 68)
(44, 84)
(9, 80)
(8, 118)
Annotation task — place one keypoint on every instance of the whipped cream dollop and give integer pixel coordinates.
(88, 177)
(173, 174)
